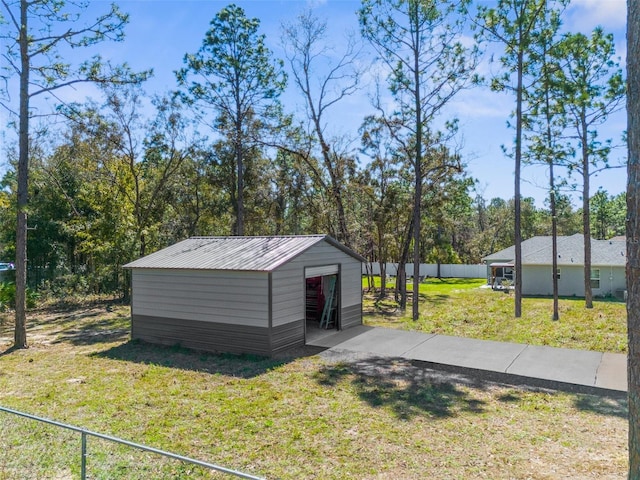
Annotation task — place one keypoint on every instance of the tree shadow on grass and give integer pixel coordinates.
(412, 388)
(387, 306)
(610, 405)
(104, 330)
(94, 322)
(434, 299)
(405, 387)
(227, 364)
(8, 351)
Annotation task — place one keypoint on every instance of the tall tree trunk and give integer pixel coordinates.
(516, 194)
(20, 333)
(438, 262)
(586, 223)
(382, 260)
(143, 245)
(336, 191)
(417, 202)
(552, 201)
(633, 234)
(401, 286)
(401, 279)
(342, 217)
(554, 243)
(240, 179)
(328, 161)
(368, 268)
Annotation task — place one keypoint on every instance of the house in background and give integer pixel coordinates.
(608, 262)
(258, 295)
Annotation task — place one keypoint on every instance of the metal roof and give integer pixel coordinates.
(234, 253)
(537, 251)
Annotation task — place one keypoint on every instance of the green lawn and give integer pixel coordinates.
(294, 417)
(434, 286)
(460, 307)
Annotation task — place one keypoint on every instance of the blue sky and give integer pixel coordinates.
(160, 32)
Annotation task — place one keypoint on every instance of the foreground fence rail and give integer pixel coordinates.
(84, 433)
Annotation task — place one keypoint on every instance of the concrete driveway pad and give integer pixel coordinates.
(386, 342)
(557, 364)
(467, 352)
(603, 371)
(612, 373)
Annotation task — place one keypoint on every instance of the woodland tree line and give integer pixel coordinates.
(89, 219)
(131, 172)
(125, 174)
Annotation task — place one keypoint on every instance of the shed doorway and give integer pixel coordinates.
(322, 299)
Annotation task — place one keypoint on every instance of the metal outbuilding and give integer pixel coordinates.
(259, 295)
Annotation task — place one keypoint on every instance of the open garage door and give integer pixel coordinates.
(311, 272)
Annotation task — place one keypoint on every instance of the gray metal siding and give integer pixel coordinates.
(239, 298)
(288, 295)
(351, 316)
(213, 337)
(288, 285)
(216, 337)
(287, 336)
(351, 285)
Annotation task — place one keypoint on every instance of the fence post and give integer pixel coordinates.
(83, 459)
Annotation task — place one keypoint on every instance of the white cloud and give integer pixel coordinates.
(481, 102)
(584, 15)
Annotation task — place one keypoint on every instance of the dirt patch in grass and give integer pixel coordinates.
(78, 322)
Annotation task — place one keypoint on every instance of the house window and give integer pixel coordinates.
(595, 278)
(558, 273)
(508, 273)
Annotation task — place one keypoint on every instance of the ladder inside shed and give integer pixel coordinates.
(328, 313)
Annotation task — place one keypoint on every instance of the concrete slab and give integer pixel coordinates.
(612, 372)
(557, 364)
(467, 353)
(594, 370)
(386, 342)
(331, 338)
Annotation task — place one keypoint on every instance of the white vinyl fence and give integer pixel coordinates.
(431, 270)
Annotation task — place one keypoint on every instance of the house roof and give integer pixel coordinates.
(234, 253)
(537, 251)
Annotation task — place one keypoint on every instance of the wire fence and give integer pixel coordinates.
(43, 448)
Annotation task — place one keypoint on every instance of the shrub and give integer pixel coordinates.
(8, 296)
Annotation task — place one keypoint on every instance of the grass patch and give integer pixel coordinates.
(459, 307)
(289, 418)
(434, 285)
